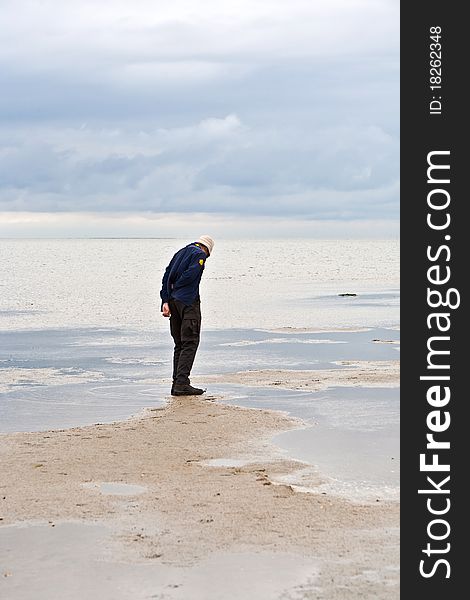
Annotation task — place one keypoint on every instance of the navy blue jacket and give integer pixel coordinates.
(183, 274)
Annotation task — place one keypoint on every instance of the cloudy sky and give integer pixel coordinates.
(232, 117)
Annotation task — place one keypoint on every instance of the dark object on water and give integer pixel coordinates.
(347, 294)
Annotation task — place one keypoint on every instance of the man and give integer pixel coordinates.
(181, 302)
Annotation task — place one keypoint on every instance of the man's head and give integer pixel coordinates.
(207, 242)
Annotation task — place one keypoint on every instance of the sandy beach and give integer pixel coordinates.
(196, 481)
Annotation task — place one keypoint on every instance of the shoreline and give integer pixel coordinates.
(365, 373)
(187, 510)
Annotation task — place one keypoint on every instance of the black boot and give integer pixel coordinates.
(186, 390)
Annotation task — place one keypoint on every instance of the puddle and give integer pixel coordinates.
(228, 462)
(72, 561)
(116, 488)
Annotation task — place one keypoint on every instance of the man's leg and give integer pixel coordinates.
(190, 335)
(175, 330)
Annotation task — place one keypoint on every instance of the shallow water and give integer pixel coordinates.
(65, 378)
(246, 284)
(352, 440)
(73, 561)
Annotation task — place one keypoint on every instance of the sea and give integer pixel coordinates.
(82, 339)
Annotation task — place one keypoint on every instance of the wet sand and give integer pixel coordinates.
(186, 514)
(355, 373)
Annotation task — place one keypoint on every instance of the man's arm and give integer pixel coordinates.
(164, 290)
(165, 309)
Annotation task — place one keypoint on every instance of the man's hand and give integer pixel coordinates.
(166, 310)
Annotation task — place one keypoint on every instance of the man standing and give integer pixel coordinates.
(181, 302)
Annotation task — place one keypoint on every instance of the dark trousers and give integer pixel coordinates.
(185, 328)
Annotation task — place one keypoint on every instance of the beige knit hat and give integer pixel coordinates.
(206, 241)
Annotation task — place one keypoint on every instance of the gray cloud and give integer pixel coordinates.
(217, 165)
(266, 108)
